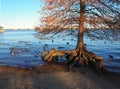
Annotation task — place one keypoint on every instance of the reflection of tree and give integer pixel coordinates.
(83, 15)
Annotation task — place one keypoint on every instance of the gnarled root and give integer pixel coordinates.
(53, 55)
(85, 58)
(73, 58)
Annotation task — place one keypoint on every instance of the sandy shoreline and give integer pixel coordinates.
(57, 77)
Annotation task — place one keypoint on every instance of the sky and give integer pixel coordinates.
(19, 13)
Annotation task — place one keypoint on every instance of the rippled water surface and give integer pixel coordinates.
(26, 46)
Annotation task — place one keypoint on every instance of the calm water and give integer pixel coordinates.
(26, 46)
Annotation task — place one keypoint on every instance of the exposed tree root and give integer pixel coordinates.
(73, 58)
(53, 54)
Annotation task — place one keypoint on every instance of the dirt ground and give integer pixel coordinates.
(57, 77)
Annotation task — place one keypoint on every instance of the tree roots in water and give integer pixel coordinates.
(73, 58)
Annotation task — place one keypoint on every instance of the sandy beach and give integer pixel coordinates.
(57, 77)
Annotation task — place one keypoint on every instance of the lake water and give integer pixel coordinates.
(26, 45)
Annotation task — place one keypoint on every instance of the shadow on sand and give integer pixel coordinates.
(57, 77)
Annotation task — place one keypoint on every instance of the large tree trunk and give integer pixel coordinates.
(80, 48)
(80, 42)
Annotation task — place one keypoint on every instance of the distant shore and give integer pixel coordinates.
(57, 77)
(21, 29)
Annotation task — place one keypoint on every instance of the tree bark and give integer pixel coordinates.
(80, 43)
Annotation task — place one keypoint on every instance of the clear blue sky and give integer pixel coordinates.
(19, 13)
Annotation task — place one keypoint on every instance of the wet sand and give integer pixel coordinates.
(57, 77)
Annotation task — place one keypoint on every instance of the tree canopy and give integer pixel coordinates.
(98, 14)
